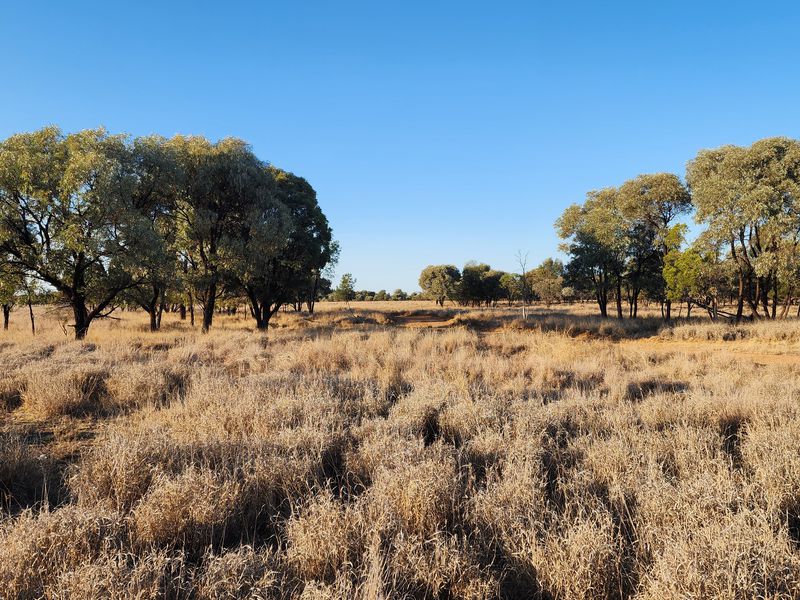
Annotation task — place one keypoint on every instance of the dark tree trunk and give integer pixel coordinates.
(257, 312)
(33, 319)
(208, 306)
(314, 290)
(162, 307)
(602, 302)
(6, 316)
(774, 297)
(154, 308)
(668, 310)
(619, 298)
(81, 315)
(787, 303)
(740, 298)
(182, 311)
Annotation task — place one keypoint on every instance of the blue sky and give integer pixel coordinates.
(433, 132)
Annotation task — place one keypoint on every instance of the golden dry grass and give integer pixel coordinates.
(346, 456)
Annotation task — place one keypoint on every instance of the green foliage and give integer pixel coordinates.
(284, 246)
(618, 238)
(345, 291)
(547, 280)
(74, 214)
(597, 244)
(440, 282)
(511, 286)
(749, 200)
(103, 219)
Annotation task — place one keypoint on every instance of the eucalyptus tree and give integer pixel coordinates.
(157, 265)
(310, 251)
(440, 282)
(472, 286)
(700, 275)
(288, 244)
(223, 186)
(317, 286)
(345, 291)
(70, 215)
(511, 286)
(547, 280)
(651, 203)
(492, 289)
(596, 240)
(749, 200)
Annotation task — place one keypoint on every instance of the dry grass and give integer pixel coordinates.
(347, 457)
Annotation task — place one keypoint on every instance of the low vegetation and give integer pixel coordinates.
(419, 454)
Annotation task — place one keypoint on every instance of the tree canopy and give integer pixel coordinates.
(104, 218)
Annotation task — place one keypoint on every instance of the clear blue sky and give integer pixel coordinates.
(434, 132)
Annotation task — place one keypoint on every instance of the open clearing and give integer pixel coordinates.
(760, 353)
(415, 453)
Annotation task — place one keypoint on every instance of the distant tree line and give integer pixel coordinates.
(346, 292)
(107, 220)
(477, 284)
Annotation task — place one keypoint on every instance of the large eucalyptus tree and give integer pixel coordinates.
(224, 189)
(287, 245)
(596, 239)
(71, 215)
(651, 203)
(749, 198)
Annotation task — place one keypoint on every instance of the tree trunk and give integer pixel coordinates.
(208, 306)
(619, 298)
(740, 299)
(33, 320)
(314, 291)
(262, 323)
(6, 316)
(787, 303)
(668, 310)
(688, 309)
(774, 297)
(182, 311)
(162, 306)
(153, 308)
(81, 315)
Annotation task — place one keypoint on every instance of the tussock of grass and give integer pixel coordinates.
(767, 331)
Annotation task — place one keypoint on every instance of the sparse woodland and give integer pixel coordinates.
(628, 243)
(446, 448)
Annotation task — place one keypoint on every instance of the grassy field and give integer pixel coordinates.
(398, 451)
